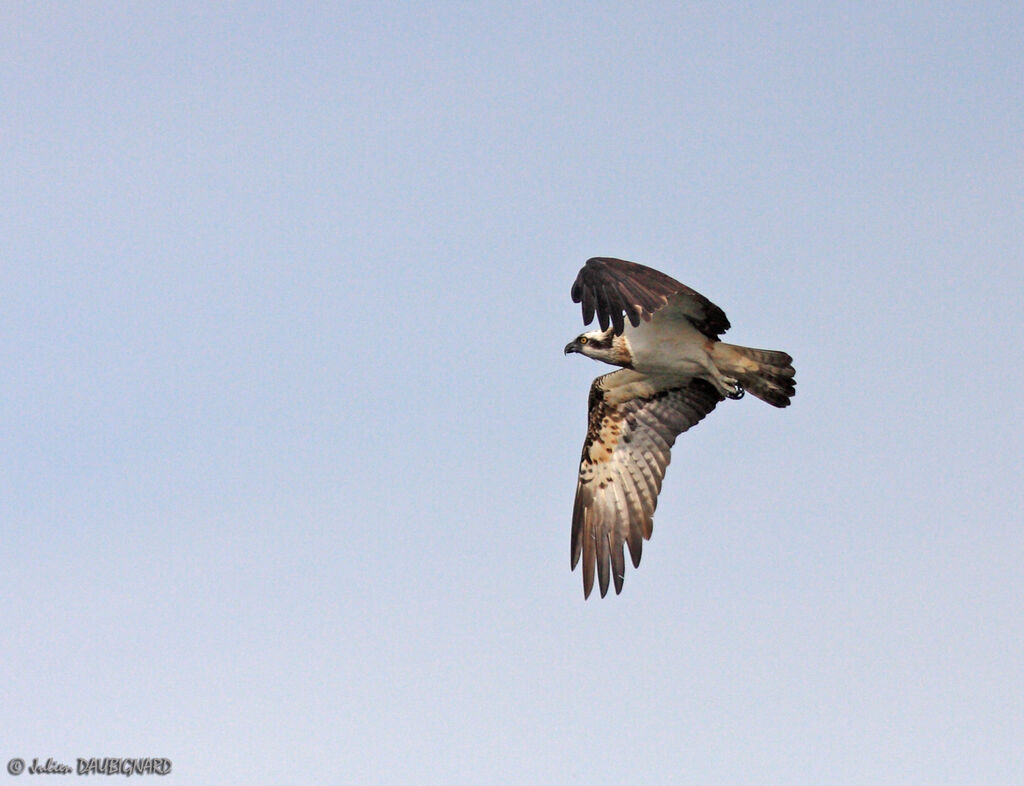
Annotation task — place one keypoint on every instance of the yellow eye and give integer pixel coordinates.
(584, 339)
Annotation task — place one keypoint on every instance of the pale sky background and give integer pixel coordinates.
(288, 443)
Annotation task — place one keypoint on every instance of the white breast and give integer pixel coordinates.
(668, 344)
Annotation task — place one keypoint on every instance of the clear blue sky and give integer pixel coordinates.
(288, 443)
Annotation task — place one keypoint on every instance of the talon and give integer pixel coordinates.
(737, 393)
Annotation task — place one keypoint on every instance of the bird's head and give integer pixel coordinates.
(601, 345)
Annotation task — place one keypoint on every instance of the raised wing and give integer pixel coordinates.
(612, 287)
(634, 421)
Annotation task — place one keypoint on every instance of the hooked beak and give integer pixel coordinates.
(572, 346)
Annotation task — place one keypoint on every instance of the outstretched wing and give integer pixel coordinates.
(609, 287)
(634, 421)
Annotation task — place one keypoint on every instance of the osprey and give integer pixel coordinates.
(674, 371)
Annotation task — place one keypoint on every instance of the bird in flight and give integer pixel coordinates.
(665, 336)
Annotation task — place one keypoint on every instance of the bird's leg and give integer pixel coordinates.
(727, 386)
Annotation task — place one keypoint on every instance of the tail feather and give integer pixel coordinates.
(764, 373)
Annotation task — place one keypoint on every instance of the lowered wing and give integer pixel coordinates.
(633, 422)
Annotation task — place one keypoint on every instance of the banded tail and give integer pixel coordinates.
(764, 373)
